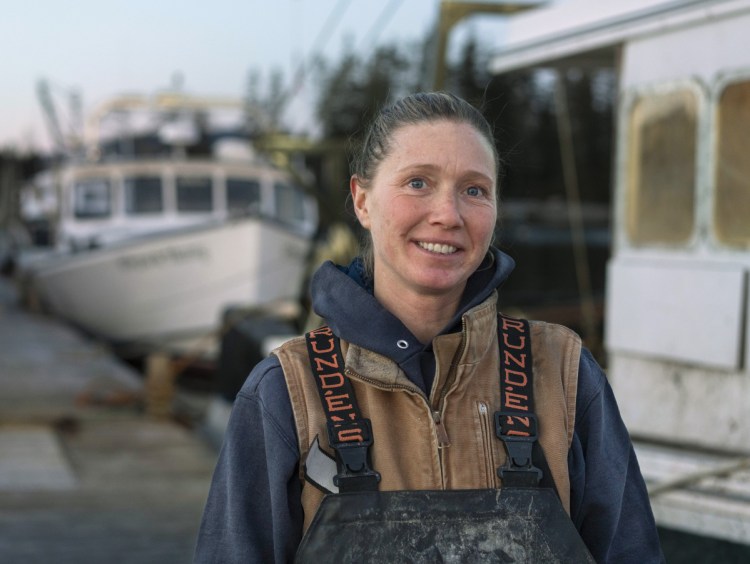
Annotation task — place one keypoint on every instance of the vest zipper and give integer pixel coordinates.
(381, 386)
(436, 411)
(452, 369)
(442, 435)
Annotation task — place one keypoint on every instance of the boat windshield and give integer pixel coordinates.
(92, 198)
(194, 194)
(243, 196)
(143, 195)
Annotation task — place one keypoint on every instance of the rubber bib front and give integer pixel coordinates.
(523, 525)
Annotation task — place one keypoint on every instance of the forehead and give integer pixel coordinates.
(445, 141)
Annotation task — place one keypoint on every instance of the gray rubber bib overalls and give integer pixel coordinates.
(521, 522)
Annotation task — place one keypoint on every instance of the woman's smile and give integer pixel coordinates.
(438, 248)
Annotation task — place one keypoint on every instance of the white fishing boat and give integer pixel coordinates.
(677, 304)
(150, 249)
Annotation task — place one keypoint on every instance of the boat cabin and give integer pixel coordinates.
(108, 202)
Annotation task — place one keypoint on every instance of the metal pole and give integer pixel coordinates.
(575, 216)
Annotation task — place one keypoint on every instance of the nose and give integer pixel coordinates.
(446, 211)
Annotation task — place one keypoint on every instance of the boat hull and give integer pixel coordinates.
(169, 289)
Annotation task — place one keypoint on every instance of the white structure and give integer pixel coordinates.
(678, 301)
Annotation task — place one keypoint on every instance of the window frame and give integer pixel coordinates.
(77, 182)
(128, 198)
(719, 88)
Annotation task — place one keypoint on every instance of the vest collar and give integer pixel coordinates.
(478, 335)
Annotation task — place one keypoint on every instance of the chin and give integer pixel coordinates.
(441, 286)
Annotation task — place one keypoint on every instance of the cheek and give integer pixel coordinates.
(383, 230)
(392, 217)
(486, 231)
(486, 227)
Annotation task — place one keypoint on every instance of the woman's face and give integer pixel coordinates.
(430, 208)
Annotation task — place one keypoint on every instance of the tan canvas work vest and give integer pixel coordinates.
(446, 441)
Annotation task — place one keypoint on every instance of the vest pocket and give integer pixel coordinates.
(487, 439)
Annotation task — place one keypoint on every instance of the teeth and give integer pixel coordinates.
(442, 249)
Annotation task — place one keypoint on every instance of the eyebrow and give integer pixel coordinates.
(426, 167)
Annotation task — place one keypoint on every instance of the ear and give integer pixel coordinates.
(359, 198)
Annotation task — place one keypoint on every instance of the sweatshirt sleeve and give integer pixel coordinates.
(253, 512)
(609, 501)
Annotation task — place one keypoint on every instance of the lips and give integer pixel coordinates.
(437, 248)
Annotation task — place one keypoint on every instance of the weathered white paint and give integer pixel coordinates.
(646, 297)
(576, 27)
(682, 404)
(716, 44)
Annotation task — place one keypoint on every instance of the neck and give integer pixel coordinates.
(424, 315)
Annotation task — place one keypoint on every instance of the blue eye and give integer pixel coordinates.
(474, 191)
(416, 183)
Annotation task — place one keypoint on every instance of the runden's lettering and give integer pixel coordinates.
(325, 330)
(515, 378)
(336, 403)
(516, 401)
(321, 362)
(349, 435)
(519, 361)
(521, 426)
(513, 419)
(516, 324)
(321, 351)
(333, 380)
(520, 346)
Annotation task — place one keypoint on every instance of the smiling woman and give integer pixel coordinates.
(421, 424)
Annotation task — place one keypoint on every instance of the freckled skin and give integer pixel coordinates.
(436, 185)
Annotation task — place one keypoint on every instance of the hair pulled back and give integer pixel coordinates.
(412, 110)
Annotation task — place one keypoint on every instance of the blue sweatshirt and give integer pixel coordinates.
(254, 514)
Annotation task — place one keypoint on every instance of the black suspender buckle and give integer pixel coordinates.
(518, 433)
(351, 441)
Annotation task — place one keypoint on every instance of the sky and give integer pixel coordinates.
(103, 48)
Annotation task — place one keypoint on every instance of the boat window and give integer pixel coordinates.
(289, 203)
(194, 194)
(243, 195)
(732, 208)
(143, 194)
(92, 198)
(661, 168)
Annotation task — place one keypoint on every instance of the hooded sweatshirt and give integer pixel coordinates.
(254, 514)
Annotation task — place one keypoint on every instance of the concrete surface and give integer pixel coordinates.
(85, 474)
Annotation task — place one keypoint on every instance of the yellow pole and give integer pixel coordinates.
(452, 12)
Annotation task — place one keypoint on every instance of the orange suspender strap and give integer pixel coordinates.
(516, 423)
(349, 434)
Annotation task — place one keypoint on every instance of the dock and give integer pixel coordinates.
(698, 492)
(88, 473)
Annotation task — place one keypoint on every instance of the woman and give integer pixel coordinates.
(417, 322)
